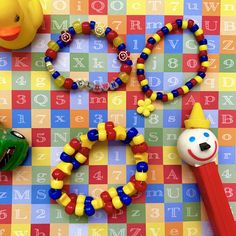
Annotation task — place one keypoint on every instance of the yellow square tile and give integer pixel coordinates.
(40, 80)
(117, 100)
(99, 154)
(174, 7)
(227, 8)
(170, 156)
(227, 81)
(155, 229)
(47, 6)
(98, 229)
(41, 156)
(192, 228)
(5, 80)
(136, 7)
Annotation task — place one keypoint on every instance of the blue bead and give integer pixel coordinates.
(74, 85)
(179, 22)
(142, 166)
(55, 193)
(130, 134)
(189, 84)
(145, 88)
(108, 29)
(129, 62)
(61, 44)
(120, 190)
(175, 93)
(46, 59)
(56, 74)
(165, 30)
(194, 28)
(140, 72)
(75, 163)
(201, 74)
(121, 47)
(72, 30)
(125, 199)
(203, 42)
(92, 135)
(119, 81)
(151, 40)
(92, 25)
(159, 96)
(65, 157)
(89, 210)
(88, 200)
(203, 58)
(144, 56)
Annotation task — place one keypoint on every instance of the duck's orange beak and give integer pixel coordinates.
(9, 33)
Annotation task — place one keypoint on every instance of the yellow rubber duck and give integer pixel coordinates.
(19, 22)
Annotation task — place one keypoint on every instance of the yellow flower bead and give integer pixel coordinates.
(102, 135)
(101, 126)
(80, 199)
(53, 45)
(78, 27)
(85, 142)
(153, 96)
(120, 133)
(202, 47)
(80, 158)
(57, 184)
(138, 139)
(147, 51)
(79, 209)
(141, 176)
(140, 66)
(59, 81)
(117, 202)
(170, 96)
(117, 41)
(185, 89)
(112, 192)
(198, 32)
(144, 82)
(129, 189)
(169, 26)
(156, 37)
(68, 149)
(124, 77)
(145, 107)
(64, 200)
(65, 167)
(205, 63)
(141, 157)
(184, 24)
(198, 79)
(97, 203)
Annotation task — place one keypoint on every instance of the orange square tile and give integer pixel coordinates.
(214, 63)
(175, 229)
(227, 137)
(79, 118)
(155, 212)
(6, 118)
(78, 7)
(227, 44)
(117, 23)
(211, 8)
(155, 174)
(117, 174)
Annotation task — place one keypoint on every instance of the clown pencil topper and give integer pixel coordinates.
(198, 147)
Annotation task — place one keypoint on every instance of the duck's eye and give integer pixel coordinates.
(17, 18)
(192, 139)
(206, 134)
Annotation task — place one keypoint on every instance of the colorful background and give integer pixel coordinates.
(49, 117)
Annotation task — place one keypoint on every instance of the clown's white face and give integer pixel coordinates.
(197, 146)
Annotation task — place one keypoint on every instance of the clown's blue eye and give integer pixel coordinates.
(206, 134)
(192, 139)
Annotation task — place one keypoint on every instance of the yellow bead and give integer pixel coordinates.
(85, 142)
(141, 176)
(140, 66)
(102, 135)
(64, 200)
(53, 45)
(124, 77)
(68, 149)
(169, 26)
(129, 189)
(184, 24)
(101, 126)
(97, 203)
(185, 89)
(205, 63)
(117, 202)
(65, 167)
(80, 158)
(138, 139)
(140, 157)
(156, 37)
(78, 27)
(118, 41)
(80, 199)
(59, 81)
(57, 184)
(198, 79)
(203, 47)
(120, 133)
(112, 192)
(79, 209)
(99, 30)
(198, 32)
(170, 96)
(153, 96)
(147, 51)
(144, 82)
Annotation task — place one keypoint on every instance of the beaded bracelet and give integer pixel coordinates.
(76, 153)
(145, 107)
(101, 31)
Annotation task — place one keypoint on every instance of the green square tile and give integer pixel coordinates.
(80, 176)
(170, 136)
(21, 80)
(173, 63)
(227, 100)
(155, 120)
(60, 137)
(192, 211)
(40, 99)
(227, 173)
(59, 23)
(155, 63)
(75, 133)
(173, 193)
(190, 45)
(154, 136)
(79, 220)
(117, 229)
(136, 213)
(117, 7)
(58, 214)
(38, 63)
(41, 175)
(227, 62)
(98, 62)
(175, 104)
(79, 62)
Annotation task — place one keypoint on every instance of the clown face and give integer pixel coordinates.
(197, 146)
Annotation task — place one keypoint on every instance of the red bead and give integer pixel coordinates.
(160, 33)
(126, 68)
(141, 77)
(202, 69)
(132, 179)
(109, 208)
(175, 26)
(143, 147)
(109, 125)
(75, 143)
(202, 53)
(73, 197)
(140, 186)
(85, 151)
(140, 60)
(200, 37)
(51, 53)
(86, 27)
(149, 93)
(193, 81)
(180, 91)
(165, 98)
(111, 135)
(58, 174)
(105, 197)
(111, 36)
(190, 23)
(68, 83)
(149, 46)
(70, 208)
